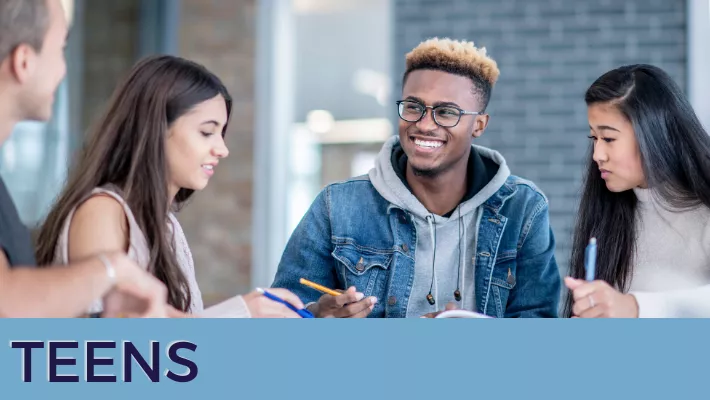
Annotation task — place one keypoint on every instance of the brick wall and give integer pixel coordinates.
(549, 52)
(220, 34)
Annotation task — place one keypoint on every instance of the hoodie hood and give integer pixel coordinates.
(387, 181)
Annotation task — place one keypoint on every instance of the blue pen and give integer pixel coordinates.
(302, 312)
(590, 259)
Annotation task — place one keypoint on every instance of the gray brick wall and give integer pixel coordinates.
(549, 52)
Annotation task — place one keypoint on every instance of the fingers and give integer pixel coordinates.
(272, 309)
(583, 304)
(263, 307)
(349, 304)
(368, 305)
(353, 309)
(288, 296)
(581, 290)
(282, 311)
(143, 289)
(155, 300)
(594, 312)
(364, 313)
(572, 283)
(592, 299)
(144, 297)
(351, 295)
(587, 288)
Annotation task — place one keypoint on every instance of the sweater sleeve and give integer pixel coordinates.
(688, 303)
(235, 307)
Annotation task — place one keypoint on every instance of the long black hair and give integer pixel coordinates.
(675, 156)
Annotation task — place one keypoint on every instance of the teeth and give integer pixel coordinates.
(208, 166)
(428, 143)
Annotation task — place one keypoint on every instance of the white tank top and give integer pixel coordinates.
(138, 247)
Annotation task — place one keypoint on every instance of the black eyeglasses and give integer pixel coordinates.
(444, 115)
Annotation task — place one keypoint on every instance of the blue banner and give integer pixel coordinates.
(348, 359)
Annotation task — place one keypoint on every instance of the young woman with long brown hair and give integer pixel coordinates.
(159, 141)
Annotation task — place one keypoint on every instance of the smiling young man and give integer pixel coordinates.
(439, 222)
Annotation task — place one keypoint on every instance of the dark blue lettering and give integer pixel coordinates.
(192, 370)
(151, 370)
(26, 346)
(55, 361)
(92, 361)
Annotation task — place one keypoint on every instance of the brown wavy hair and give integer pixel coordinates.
(126, 148)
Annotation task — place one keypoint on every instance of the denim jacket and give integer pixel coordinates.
(353, 236)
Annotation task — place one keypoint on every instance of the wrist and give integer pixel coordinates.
(110, 270)
(114, 268)
(313, 308)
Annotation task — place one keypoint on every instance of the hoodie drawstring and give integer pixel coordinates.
(462, 261)
(433, 296)
(433, 299)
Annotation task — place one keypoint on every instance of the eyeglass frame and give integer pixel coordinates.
(433, 114)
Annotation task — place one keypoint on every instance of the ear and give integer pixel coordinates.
(479, 125)
(23, 62)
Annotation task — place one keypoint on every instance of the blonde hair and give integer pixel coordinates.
(456, 57)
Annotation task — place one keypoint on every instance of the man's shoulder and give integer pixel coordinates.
(360, 184)
(354, 195)
(520, 198)
(525, 189)
(356, 180)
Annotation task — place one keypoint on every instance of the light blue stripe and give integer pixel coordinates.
(384, 359)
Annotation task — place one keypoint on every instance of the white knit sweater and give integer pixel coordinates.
(671, 275)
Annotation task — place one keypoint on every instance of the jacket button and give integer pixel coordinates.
(392, 300)
(360, 265)
(405, 248)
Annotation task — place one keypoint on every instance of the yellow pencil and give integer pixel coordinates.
(319, 288)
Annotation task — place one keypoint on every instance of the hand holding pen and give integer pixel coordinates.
(590, 260)
(261, 306)
(341, 304)
(596, 298)
(302, 312)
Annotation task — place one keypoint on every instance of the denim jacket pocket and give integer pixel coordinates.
(364, 268)
(503, 280)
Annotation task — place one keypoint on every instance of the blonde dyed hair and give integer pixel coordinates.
(456, 57)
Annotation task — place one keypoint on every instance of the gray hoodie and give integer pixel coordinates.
(445, 251)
